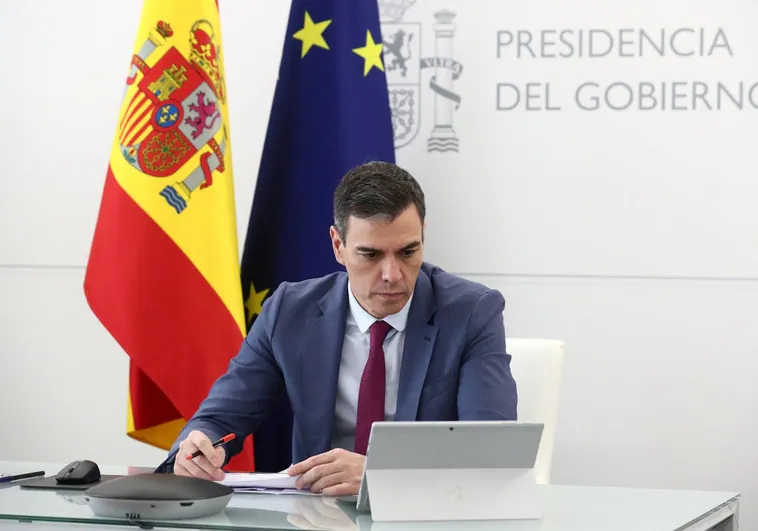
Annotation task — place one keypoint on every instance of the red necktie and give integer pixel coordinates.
(371, 396)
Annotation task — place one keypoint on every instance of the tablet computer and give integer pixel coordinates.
(449, 445)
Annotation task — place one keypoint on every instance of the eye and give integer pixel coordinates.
(409, 252)
(369, 255)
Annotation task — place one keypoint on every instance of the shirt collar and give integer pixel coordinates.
(364, 319)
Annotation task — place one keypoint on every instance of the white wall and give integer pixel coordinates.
(629, 234)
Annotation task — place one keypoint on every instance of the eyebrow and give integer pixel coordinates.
(364, 249)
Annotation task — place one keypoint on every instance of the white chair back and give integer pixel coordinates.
(537, 367)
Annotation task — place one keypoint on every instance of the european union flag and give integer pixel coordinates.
(330, 113)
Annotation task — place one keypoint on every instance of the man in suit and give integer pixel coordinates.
(393, 338)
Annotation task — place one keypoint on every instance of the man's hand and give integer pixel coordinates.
(205, 466)
(334, 473)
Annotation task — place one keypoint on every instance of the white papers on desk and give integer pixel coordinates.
(260, 490)
(259, 481)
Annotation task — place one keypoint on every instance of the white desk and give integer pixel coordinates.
(568, 508)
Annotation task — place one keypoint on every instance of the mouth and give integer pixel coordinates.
(391, 296)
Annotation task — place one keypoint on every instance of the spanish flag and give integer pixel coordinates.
(163, 275)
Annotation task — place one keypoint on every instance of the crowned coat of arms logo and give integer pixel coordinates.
(174, 111)
(404, 65)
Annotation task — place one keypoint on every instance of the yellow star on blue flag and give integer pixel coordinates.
(371, 53)
(312, 34)
(254, 302)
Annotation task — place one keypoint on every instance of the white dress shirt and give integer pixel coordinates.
(354, 357)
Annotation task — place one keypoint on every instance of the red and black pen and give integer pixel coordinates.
(222, 440)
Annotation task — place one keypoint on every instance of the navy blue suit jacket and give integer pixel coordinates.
(454, 364)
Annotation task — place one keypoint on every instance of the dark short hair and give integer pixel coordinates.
(376, 190)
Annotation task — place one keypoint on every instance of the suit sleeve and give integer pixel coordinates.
(240, 399)
(487, 390)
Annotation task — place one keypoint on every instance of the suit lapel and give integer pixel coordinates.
(419, 344)
(321, 351)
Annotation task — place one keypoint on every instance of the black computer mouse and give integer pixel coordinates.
(78, 473)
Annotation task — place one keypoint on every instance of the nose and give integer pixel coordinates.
(391, 271)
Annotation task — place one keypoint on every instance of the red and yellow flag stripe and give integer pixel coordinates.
(163, 275)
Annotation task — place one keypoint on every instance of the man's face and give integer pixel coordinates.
(382, 259)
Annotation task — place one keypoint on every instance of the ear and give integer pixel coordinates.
(337, 245)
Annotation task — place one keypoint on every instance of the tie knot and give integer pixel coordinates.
(379, 331)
